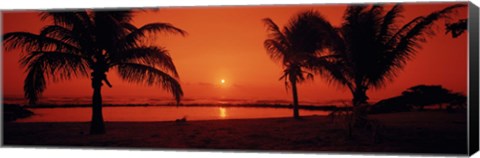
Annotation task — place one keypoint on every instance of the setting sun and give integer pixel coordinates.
(223, 112)
(222, 81)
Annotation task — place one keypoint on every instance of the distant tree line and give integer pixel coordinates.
(418, 97)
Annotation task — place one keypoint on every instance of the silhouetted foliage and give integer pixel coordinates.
(394, 104)
(457, 28)
(90, 43)
(371, 47)
(426, 95)
(296, 47)
(374, 48)
(419, 97)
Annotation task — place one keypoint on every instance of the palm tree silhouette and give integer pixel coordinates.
(95, 41)
(296, 47)
(373, 48)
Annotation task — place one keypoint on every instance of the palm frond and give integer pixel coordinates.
(325, 35)
(274, 49)
(118, 15)
(352, 13)
(286, 82)
(332, 68)
(405, 43)
(68, 19)
(456, 28)
(144, 74)
(152, 56)
(416, 30)
(60, 33)
(390, 45)
(31, 42)
(34, 83)
(388, 22)
(308, 32)
(130, 27)
(274, 32)
(132, 38)
(57, 66)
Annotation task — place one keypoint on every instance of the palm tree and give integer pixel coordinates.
(95, 41)
(295, 47)
(373, 47)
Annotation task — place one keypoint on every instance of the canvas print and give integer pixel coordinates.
(386, 78)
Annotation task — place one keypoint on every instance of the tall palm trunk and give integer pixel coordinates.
(359, 96)
(359, 106)
(97, 125)
(295, 99)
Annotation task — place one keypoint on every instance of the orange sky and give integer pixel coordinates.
(227, 43)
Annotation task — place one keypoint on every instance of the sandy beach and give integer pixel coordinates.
(412, 132)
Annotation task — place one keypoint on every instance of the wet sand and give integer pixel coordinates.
(411, 132)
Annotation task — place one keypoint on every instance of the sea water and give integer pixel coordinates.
(160, 113)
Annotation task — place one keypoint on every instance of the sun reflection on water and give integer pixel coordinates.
(223, 112)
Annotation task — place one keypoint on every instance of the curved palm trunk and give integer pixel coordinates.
(295, 100)
(97, 125)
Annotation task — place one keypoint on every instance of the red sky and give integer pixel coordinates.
(227, 43)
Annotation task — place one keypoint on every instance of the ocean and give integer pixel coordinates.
(147, 101)
(147, 109)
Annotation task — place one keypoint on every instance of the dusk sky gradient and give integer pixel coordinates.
(227, 43)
